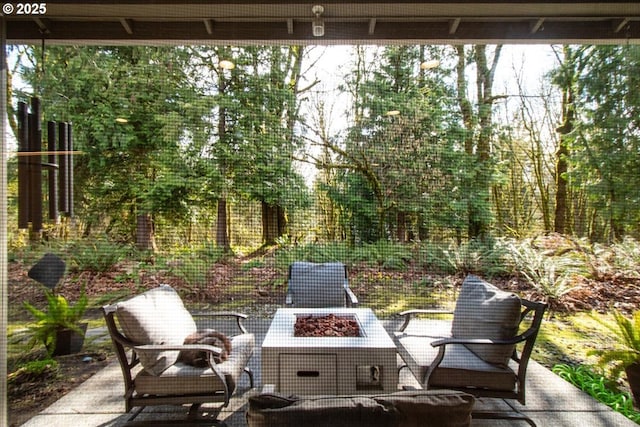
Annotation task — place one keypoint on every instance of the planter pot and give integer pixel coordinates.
(69, 341)
(633, 375)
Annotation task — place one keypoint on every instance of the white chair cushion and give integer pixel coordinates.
(157, 316)
(186, 379)
(459, 368)
(484, 311)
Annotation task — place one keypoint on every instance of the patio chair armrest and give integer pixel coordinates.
(216, 351)
(352, 299)
(409, 314)
(445, 341)
(238, 316)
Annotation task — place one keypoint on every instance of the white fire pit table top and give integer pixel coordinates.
(329, 365)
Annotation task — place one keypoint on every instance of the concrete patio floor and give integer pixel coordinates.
(551, 402)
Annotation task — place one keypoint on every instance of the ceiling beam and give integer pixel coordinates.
(42, 25)
(453, 25)
(208, 25)
(372, 26)
(447, 31)
(127, 24)
(620, 24)
(536, 25)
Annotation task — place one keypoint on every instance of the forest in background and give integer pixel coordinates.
(421, 175)
(178, 150)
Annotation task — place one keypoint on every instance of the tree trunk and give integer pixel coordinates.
(222, 230)
(480, 189)
(274, 223)
(562, 153)
(463, 101)
(401, 227)
(145, 236)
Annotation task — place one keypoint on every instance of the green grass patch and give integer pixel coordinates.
(566, 338)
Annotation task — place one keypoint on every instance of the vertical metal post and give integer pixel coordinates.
(63, 167)
(3, 221)
(52, 170)
(23, 165)
(35, 180)
(70, 170)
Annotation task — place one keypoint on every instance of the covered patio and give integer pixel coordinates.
(551, 401)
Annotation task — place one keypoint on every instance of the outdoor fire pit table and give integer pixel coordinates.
(327, 363)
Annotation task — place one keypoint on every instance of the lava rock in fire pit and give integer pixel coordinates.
(326, 326)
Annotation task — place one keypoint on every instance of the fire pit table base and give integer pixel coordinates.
(329, 365)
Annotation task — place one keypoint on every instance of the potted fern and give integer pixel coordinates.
(626, 355)
(59, 327)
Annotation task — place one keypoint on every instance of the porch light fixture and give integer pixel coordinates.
(225, 64)
(317, 24)
(429, 65)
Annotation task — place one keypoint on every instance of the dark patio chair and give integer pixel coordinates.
(483, 351)
(319, 285)
(148, 337)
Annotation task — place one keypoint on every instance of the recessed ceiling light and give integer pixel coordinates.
(428, 65)
(225, 64)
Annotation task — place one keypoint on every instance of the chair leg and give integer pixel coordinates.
(135, 413)
(193, 411)
(515, 415)
(195, 418)
(250, 373)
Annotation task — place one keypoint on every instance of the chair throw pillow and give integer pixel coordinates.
(159, 317)
(484, 311)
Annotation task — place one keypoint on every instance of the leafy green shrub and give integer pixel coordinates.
(254, 263)
(388, 255)
(599, 388)
(627, 349)
(97, 255)
(35, 369)
(192, 270)
(487, 259)
(384, 254)
(210, 251)
(624, 256)
(59, 315)
(551, 276)
(313, 252)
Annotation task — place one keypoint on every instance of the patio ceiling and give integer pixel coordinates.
(355, 21)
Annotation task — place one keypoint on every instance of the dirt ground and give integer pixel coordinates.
(28, 395)
(255, 287)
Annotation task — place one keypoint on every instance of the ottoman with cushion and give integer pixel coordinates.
(441, 408)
